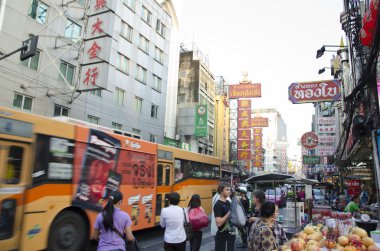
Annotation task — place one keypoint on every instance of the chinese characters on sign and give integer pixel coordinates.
(327, 129)
(258, 147)
(90, 76)
(244, 130)
(259, 122)
(326, 120)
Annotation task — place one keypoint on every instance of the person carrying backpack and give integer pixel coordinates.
(198, 220)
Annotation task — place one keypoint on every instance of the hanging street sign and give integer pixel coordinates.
(315, 91)
(311, 160)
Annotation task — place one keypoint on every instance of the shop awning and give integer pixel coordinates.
(268, 177)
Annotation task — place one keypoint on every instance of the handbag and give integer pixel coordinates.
(129, 245)
(198, 218)
(187, 226)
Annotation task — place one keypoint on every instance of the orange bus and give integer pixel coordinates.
(55, 176)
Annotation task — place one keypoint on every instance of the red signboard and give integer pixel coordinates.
(244, 123)
(309, 140)
(257, 131)
(244, 134)
(244, 91)
(244, 104)
(316, 91)
(244, 144)
(244, 114)
(353, 187)
(259, 122)
(244, 154)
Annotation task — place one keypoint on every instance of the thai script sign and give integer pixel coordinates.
(327, 129)
(327, 139)
(353, 187)
(316, 91)
(259, 122)
(244, 91)
(326, 120)
(325, 150)
(330, 168)
(311, 160)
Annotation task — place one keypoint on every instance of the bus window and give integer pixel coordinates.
(193, 169)
(159, 174)
(167, 175)
(7, 217)
(14, 164)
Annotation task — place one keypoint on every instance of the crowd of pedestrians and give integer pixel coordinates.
(259, 231)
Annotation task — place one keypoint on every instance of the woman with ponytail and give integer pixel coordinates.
(111, 224)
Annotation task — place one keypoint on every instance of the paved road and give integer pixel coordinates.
(153, 240)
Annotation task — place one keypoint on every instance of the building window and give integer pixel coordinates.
(144, 44)
(22, 102)
(141, 74)
(93, 119)
(154, 111)
(131, 4)
(157, 82)
(61, 111)
(96, 92)
(159, 55)
(160, 28)
(116, 126)
(136, 131)
(126, 31)
(138, 104)
(32, 63)
(123, 63)
(119, 96)
(67, 70)
(152, 137)
(146, 15)
(38, 11)
(72, 30)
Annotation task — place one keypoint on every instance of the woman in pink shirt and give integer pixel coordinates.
(109, 221)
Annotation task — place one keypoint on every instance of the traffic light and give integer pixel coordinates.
(29, 48)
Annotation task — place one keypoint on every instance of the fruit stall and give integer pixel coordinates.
(335, 234)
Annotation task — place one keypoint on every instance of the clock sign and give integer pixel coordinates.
(309, 140)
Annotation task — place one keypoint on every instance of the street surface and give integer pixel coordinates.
(153, 240)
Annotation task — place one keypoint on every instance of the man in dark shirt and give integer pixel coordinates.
(225, 237)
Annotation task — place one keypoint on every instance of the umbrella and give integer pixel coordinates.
(268, 177)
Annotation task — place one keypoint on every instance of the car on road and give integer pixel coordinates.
(276, 196)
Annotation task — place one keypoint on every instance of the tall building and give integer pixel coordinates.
(274, 140)
(104, 62)
(196, 86)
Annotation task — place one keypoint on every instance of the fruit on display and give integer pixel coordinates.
(350, 248)
(367, 241)
(330, 244)
(339, 247)
(309, 230)
(355, 237)
(360, 232)
(312, 243)
(313, 248)
(343, 241)
(373, 248)
(297, 244)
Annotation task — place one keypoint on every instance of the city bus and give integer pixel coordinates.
(56, 176)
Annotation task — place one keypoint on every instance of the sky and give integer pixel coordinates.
(275, 41)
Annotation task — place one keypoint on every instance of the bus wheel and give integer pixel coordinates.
(67, 233)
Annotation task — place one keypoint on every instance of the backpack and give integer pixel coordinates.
(238, 216)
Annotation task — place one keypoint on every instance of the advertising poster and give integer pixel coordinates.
(353, 187)
(97, 176)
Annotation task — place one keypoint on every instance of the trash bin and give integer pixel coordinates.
(367, 225)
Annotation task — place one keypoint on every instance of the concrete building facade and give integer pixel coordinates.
(274, 140)
(102, 63)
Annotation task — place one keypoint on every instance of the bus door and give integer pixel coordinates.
(14, 161)
(164, 186)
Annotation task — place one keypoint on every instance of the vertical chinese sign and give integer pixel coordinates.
(258, 147)
(97, 45)
(200, 121)
(244, 149)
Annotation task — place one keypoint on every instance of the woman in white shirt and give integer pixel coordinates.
(172, 219)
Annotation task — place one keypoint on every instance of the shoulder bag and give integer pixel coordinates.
(187, 226)
(129, 245)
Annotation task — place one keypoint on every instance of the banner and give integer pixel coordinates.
(201, 121)
(259, 122)
(244, 91)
